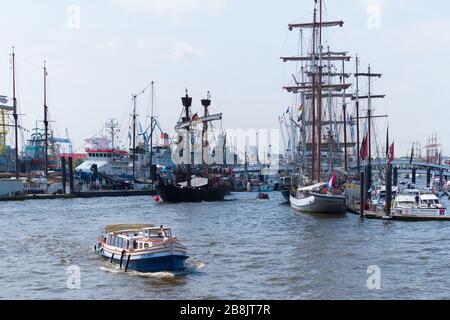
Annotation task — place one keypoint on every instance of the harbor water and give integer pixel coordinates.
(242, 248)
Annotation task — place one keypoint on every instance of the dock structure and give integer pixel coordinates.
(381, 215)
(416, 166)
(84, 195)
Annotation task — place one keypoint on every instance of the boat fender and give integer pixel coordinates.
(121, 258)
(128, 262)
(112, 257)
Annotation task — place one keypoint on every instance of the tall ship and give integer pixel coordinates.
(190, 181)
(319, 115)
(325, 133)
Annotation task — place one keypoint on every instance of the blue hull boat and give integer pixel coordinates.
(142, 248)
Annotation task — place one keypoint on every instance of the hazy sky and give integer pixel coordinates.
(230, 47)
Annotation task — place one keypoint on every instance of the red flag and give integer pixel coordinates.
(364, 152)
(391, 153)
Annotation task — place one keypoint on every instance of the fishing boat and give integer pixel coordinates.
(185, 185)
(142, 248)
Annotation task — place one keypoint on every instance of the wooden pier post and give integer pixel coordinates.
(362, 199)
(395, 177)
(71, 184)
(388, 189)
(368, 181)
(413, 178)
(64, 175)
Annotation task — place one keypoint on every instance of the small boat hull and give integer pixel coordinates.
(318, 203)
(154, 262)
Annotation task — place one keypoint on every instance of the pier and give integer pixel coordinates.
(94, 194)
(381, 215)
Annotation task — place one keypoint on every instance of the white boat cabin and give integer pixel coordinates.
(137, 238)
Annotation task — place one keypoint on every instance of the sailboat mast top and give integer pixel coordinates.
(314, 25)
(326, 57)
(324, 87)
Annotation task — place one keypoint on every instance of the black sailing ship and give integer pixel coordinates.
(188, 184)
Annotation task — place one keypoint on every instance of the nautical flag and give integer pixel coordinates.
(364, 152)
(195, 117)
(392, 152)
(332, 181)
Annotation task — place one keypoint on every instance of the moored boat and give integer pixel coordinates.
(414, 202)
(200, 189)
(319, 199)
(185, 186)
(142, 248)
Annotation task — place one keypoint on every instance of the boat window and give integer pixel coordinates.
(140, 245)
(146, 246)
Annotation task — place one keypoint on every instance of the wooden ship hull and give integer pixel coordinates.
(177, 194)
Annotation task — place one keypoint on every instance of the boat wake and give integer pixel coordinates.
(156, 275)
(193, 266)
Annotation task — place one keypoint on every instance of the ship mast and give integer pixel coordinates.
(152, 127)
(357, 118)
(45, 120)
(15, 115)
(319, 130)
(344, 110)
(313, 102)
(369, 75)
(187, 103)
(134, 137)
(314, 89)
(112, 126)
(205, 103)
